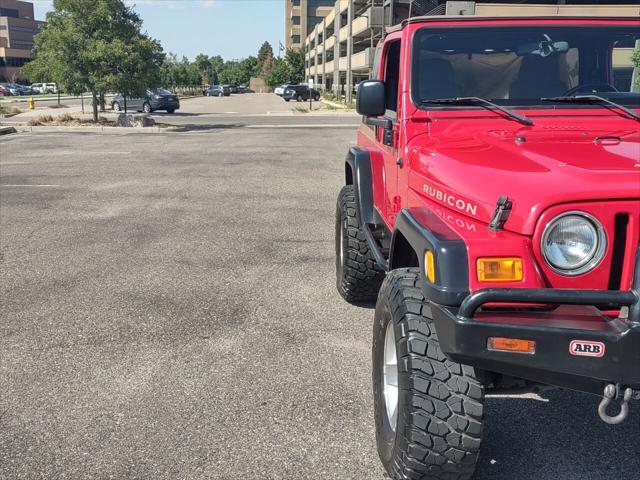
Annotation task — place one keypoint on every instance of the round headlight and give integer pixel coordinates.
(573, 243)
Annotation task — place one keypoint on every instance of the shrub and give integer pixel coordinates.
(66, 118)
(40, 120)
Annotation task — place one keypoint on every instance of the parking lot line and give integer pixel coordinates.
(309, 125)
(34, 186)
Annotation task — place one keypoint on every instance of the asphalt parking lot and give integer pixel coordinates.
(202, 112)
(168, 311)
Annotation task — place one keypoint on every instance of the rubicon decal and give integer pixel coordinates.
(448, 199)
(583, 348)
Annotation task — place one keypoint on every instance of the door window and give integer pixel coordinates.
(392, 77)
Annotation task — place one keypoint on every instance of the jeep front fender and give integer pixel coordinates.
(422, 230)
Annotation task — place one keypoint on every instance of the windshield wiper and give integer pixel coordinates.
(485, 103)
(594, 99)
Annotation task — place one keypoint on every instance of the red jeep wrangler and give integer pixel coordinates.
(492, 206)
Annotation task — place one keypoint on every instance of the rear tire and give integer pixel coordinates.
(299, 98)
(116, 106)
(316, 98)
(358, 275)
(439, 403)
(171, 110)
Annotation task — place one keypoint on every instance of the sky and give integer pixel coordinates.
(233, 29)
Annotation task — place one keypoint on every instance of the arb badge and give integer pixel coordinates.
(584, 348)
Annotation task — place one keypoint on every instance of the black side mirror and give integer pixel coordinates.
(370, 102)
(370, 98)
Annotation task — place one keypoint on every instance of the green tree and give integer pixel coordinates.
(94, 45)
(204, 66)
(231, 73)
(281, 73)
(288, 70)
(295, 60)
(136, 66)
(266, 61)
(249, 67)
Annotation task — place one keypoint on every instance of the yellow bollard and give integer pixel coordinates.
(31, 103)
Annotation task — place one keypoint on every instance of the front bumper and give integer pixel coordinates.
(166, 104)
(463, 335)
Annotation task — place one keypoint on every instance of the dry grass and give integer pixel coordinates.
(58, 105)
(40, 120)
(10, 110)
(301, 109)
(67, 118)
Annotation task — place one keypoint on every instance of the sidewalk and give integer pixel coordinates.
(75, 110)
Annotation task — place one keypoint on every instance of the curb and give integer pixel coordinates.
(105, 130)
(334, 104)
(7, 130)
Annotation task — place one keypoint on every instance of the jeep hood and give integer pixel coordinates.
(536, 167)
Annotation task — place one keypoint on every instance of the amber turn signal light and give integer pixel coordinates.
(430, 266)
(511, 345)
(499, 269)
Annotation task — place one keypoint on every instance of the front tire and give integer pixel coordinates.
(171, 110)
(436, 429)
(146, 108)
(357, 273)
(116, 107)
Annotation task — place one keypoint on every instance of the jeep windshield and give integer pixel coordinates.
(526, 66)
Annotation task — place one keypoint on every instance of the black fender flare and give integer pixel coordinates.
(421, 229)
(358, 173)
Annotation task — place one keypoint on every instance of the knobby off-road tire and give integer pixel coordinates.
(358, 275)
(440, 403)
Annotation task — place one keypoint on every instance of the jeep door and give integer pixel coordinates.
(390, 74)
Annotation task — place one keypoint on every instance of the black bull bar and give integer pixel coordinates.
(463, 333)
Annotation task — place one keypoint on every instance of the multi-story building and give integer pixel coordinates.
(301, 17)
(17, 28)
(340, 49)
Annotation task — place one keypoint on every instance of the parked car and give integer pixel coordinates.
(25, 90)
(217, 91)
(155, 99)
(245, 90)
(300, 93)
(233, 88)
(43, 88)
(5, 91)
(12, 88)
(280, 90)
(20, 90)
